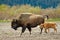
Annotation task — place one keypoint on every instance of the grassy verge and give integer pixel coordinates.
(4, 21)
(53, 19)
(49, 20)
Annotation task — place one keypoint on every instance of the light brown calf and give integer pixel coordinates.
(48, 25)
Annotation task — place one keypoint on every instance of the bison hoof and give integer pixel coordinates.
(40, 32)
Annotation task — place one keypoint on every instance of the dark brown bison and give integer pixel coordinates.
(29, 22)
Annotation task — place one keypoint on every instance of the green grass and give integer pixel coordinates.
(53, 19)
(4, 21)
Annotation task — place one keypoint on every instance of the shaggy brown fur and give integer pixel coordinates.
(28, 22)
(48, 25)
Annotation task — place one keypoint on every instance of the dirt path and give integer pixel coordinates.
(7, 33)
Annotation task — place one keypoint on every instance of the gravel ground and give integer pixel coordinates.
(7, 33)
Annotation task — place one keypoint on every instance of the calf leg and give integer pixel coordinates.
(55, 29)
(23, 30)
(41, 30)
(45, 30)
(48, 29)
(29, 28)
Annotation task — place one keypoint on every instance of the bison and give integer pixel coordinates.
(29, 22)
(48, 25)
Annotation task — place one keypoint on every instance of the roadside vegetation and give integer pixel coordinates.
(2, 21)
(53, 19)
(9, 12)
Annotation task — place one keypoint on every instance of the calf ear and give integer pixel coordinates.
(47, 16)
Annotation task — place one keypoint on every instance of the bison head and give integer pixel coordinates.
(14, 24)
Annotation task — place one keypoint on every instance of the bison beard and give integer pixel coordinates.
(31, 22)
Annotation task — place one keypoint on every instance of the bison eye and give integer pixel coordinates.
(14, 25)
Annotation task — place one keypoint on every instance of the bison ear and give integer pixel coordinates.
(15, 20)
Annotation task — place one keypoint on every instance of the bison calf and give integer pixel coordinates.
(48, 25)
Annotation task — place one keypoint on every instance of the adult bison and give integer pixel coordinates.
(29, 22)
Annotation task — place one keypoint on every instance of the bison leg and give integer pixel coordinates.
(41, 30)
(23, 30)
(29, 28)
